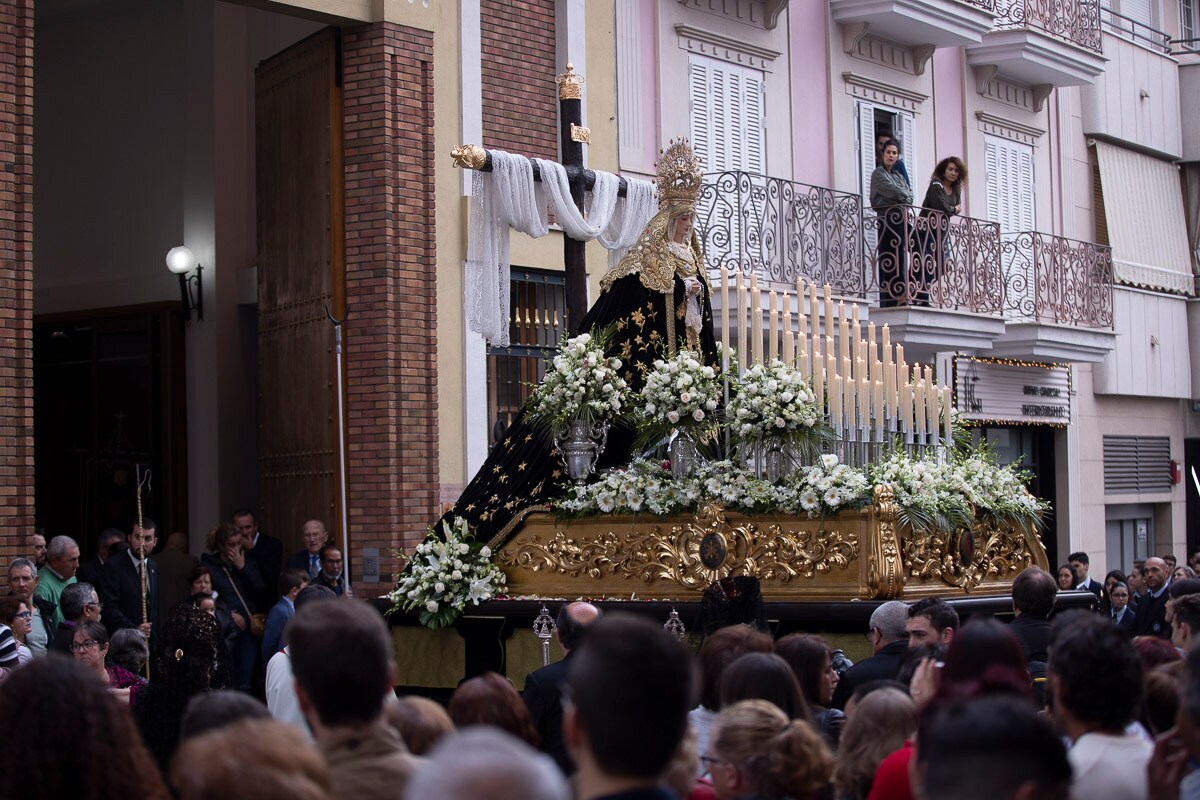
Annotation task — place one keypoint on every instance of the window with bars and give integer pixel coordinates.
(538, 306)
(1137, 464)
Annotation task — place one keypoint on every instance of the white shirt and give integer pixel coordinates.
(281, 693)
(1108, 766)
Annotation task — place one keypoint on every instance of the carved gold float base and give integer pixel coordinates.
(855, 555)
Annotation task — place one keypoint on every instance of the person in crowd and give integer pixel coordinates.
(206, 603)
(1172, 775)
(943, 199)
(1093, 706)
(79, 602)
(720, 649)
(291, 583)
(92, 570)
(342, 659)
(127, 602)
(1137, 583)
(887, 721)
(62, 559)
(1119, 611)
(1154, 652)
(210, 711)
(264, 550)
(1033, 594)
(309, 559)
(1185, 624)
(889, 640)
(175, 565)
(487, 764)
(237, 584)
(680, 775)
(543, 687)
(189, 659)
(1068, 579)
(1177, 590)
(1194, 561)
(332, 575)
(1160, 700)
(281, 683)
(200, 581)
(90, 648)
(757, 751)
(929, 620)
(1110, 580)
(22, 583)
(994, 747)
(865, 690)
(1182, 572)
(10, 656)
(215, 765)
(891, 194)
(129, 650)
(881, 139)
(1170, 560)
(37, 548)
(490, 699)
(75, 739)
(421, 723)
(811, 661)
(16, 615)
(1151, 616)
(1082, 564)
(764, 676)
(631, 686)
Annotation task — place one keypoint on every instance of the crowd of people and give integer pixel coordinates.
(1075, 704)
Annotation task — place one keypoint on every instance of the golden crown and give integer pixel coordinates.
(679, 174)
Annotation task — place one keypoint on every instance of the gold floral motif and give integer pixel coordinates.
(998, 554)
(885, 578)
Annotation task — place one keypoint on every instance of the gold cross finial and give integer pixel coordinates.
(570, 84)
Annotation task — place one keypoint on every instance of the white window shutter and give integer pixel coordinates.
(866, 165)
(753, 154)
(727, 116)
(1009, 180)
(908, 141)
(1139, 10)
(700, 103)
(1024, 207)
(991, 166)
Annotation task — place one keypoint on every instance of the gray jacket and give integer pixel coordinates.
(888, 188)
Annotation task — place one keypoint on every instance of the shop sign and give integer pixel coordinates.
(1002, 392)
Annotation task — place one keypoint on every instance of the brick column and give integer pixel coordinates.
(16, 279)
(391, 291)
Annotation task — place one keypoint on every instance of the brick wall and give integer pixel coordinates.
(391, 330)
(16, 279)
(520, 99)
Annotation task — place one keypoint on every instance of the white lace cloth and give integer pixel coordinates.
(508, 197)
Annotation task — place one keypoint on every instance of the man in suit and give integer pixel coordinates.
(1033, 594)
(121, 594)
(1151, 617)
(175, 565)
(266, 551)
(92, 570)
(543, 687)
(889, 640)
(1081, 563)
(291, 583)
(309, 559)
(1122, 615)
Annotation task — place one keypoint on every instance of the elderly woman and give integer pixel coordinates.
(757, 752)
(890, 197)
(90, 648)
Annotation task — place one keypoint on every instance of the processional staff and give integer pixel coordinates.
(143, 575)
(572, 137)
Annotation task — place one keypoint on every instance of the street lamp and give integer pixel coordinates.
(181, 261)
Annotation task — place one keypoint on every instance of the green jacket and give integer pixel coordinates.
(50, 588)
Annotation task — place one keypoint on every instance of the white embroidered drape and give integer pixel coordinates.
(508, 197)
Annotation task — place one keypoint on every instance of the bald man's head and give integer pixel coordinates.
(572, 619)
(1156, 573)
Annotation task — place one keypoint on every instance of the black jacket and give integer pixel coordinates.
(248, 582)
(300, 561)
(543, 698)
(91, 571)
(1151, 619)
(1034, 636)
(268, 557)
(883, 666)
(121, 593)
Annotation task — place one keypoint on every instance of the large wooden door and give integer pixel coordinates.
(301, 272)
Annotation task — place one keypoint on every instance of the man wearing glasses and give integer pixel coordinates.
(330, 575)
(79, 603)
(309, 559)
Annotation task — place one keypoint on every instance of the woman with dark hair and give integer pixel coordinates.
(757, 751)
(943, 200)
(1068, 578)
(764, 676)
(190, 659)
(890, 197)
(128, 650)
(89, 646)
(76, 741)
(811, 660)
(720, 649)
(1110, 581)
(18, 616)
(882, 723)
(236, 582)
(490, 699)
(200, 581)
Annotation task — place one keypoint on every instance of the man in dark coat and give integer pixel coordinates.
(1082, 564)
(889, 639)
(1033, 594)
(1151, 618)
(266, 552)
(121, 592)
(175, 565)
(309, 559)
(92, 570)
(543, 687)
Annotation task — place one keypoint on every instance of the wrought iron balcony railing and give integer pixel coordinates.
(986, 5)
(1055, 279)
(782, 230)
(1075, 21)
(925, 258)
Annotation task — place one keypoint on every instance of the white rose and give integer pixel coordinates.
(439, 587)
(698, 415)
(780, 422)
(673, 417)
(829, 461)
(431, 606)
(686, 397)
(456, 575)
(711, 405)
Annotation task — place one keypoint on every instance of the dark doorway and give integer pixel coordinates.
(1032, 447)
(108, 398)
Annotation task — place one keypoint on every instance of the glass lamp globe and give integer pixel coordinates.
(180, 260)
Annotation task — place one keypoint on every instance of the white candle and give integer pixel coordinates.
(773, 325)
(828, 312)
(835, 400)
(843, 331)
(920, 408)
(755, 319)
(947, 401)
(743, 356)
(725, 313)
(804, 368)
(789, 347)
(906, 404)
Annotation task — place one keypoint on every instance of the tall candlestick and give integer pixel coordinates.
(919, 402)
(843, 331)
(947, 428)
(804, 368)
(906, 404)
(725, 313)
(872, 353)
(835, 400)
(755, 320)
(931, 400)
(889, 386)
(887, 342)
(828, 312)
(789, 347)
(785, 323)
(814, 310)
(877, 409)
(801, 318)
(773, 325)
(742, 355)
(899, 353)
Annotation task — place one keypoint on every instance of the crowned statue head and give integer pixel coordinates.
(679, 178)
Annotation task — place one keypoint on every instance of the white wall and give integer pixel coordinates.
(1152, 357)
(1136, 98)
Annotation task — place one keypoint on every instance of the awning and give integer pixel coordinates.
(1147, 229)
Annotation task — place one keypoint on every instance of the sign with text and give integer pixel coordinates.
(995, 391)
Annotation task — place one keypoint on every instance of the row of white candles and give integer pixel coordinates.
(865, 380)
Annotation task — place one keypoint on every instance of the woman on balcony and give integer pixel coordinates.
(890, 197)
(943, 200)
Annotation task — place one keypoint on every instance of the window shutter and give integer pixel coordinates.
(1137, 464)
(1009, 183)
(866, 165)
(1139, 11)
(701, 112)
(908, 141)
(1023, 158)
(727, 116)
(753, 155)
(991, 165)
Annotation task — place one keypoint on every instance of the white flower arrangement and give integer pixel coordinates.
(772, 400)
(643, 486)
(828, 487)
(681, 392)
(582, 384)
(445, 574)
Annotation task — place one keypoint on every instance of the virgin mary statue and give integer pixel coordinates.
(657, 301)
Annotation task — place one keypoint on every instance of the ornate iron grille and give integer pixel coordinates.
(1055, 279)
(1075, 21)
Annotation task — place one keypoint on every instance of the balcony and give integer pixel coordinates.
(917, 23)
(1058, 298)
(1042, 43)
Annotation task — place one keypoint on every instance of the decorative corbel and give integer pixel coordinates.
(771, 11)
(921, 55)
(984, 73)
(1041, 91)
(852, 34)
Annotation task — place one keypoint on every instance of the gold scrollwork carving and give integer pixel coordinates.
(468, 156)
(885, 576)
(774, 553)
(996, 553)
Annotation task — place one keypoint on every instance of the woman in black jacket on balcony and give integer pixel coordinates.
(943, 200)
(890, 197)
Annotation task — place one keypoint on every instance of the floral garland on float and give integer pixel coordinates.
(444, 574)
(680, 402)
